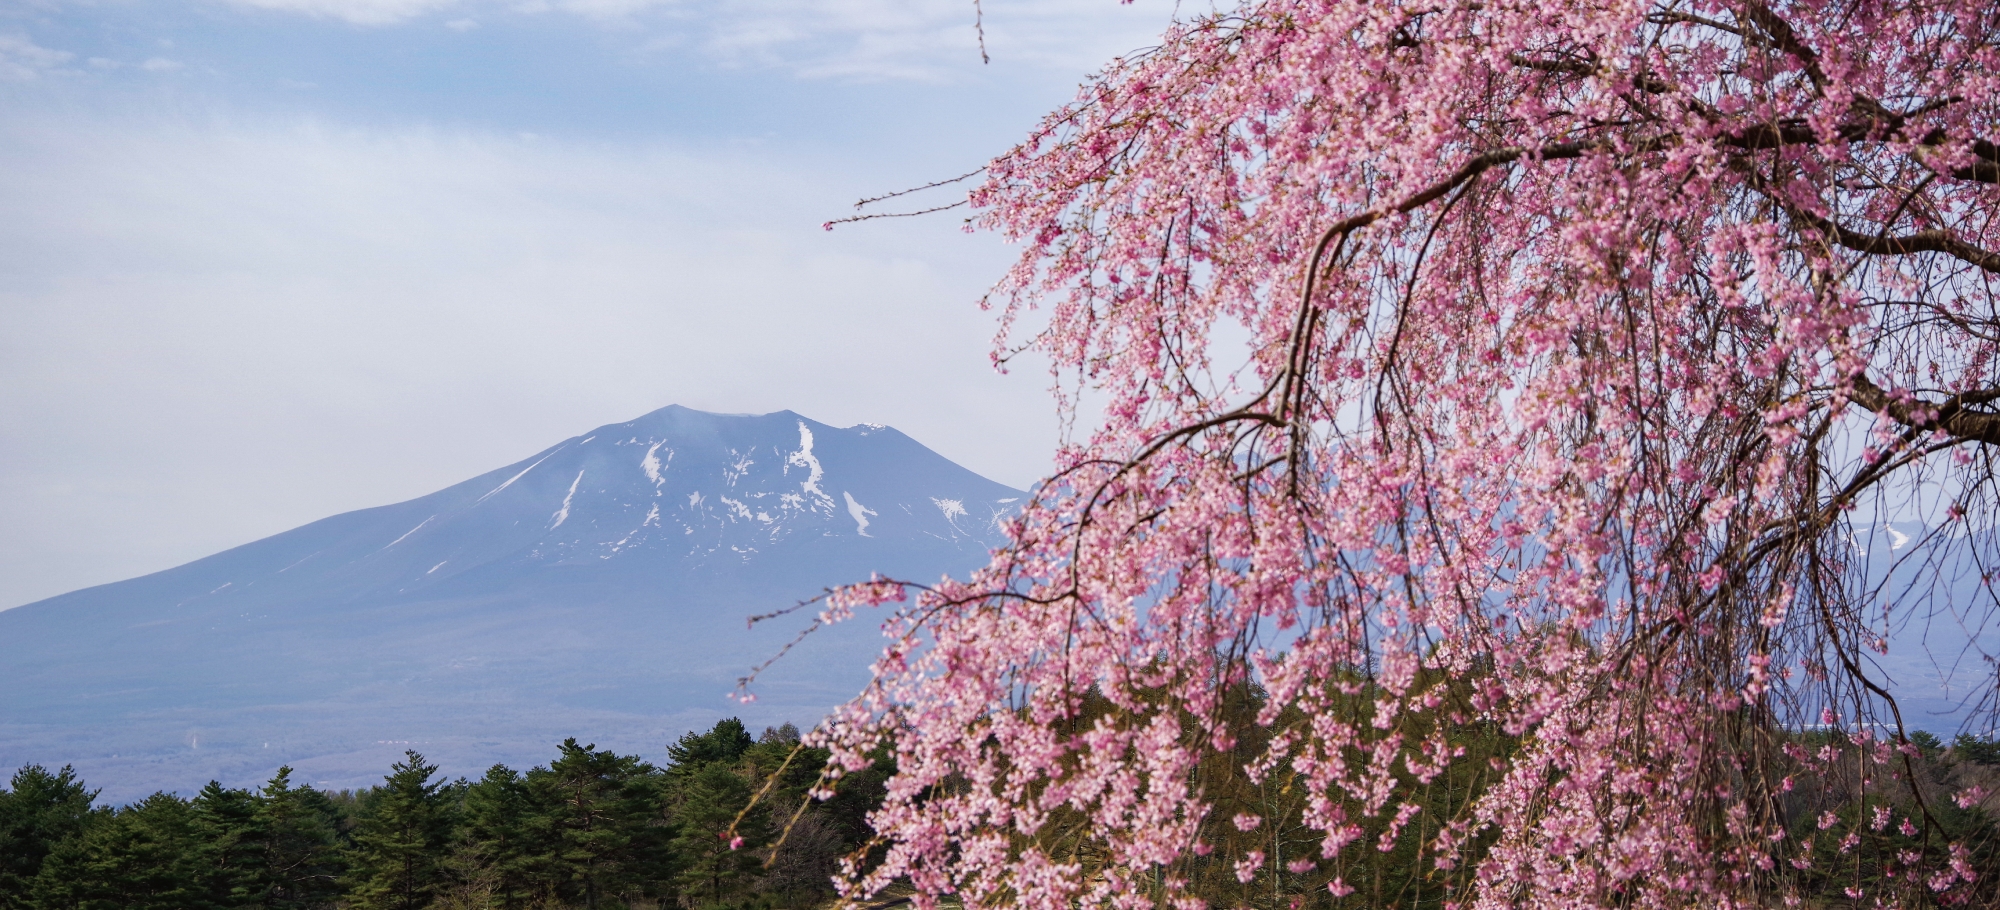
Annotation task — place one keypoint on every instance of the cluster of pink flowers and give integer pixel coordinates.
(1511, 363)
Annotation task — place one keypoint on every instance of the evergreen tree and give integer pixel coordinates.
(231, 838)
(707, 793)
(146, 856)
(725, 742)
(603, 812)
(37, 811)
(592, 829)
(1976, 749)
(401, 840)
(301, 849)
(707, 800)
(504, 849)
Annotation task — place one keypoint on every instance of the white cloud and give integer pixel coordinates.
(841, 39)
(358, 12)
(923, 39)
(160, 65)
(22, 60)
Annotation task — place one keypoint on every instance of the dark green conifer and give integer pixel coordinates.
(301, 847)
(603, 820)
(504, 852)
(147, 856)
(401, 839)
(708, 800)
(230, 838)
(37, 810)
(725, 742)
(1983, 750)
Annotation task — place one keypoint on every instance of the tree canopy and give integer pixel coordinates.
(1580, 339)
(592, 830)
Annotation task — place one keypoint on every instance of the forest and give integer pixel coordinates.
(591, 829)
(594, 829)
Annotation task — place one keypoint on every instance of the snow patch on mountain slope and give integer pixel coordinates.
(562, 514)
(735, 471)
(510, 480)
(860, 514)
(804, 458)
(736, 507)
(651, 464)
(406, 534)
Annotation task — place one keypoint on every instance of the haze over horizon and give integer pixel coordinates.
(274, 260)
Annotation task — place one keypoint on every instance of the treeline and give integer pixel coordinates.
(592, 829)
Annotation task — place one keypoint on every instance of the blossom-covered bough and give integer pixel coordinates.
(1580, 338)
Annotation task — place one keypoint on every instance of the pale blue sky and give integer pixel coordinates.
(266, 261)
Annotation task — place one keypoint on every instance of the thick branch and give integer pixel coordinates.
(1574, 67)
(1785, 38)
(1985, 166)
(1951, 415)
(1477, 165)
(1933, 241)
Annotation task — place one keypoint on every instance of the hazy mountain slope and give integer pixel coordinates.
(598, 588)
(1936, 647)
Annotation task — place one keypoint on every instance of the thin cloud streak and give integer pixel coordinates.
(924, 40)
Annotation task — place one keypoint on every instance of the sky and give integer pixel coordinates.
(264, 261)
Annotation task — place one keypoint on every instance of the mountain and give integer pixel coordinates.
(598, 589)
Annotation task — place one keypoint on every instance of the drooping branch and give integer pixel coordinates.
(1613, 518)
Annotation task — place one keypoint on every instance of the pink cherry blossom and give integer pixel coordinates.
(1503, 366)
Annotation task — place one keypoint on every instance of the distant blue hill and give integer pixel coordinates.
(596, 589)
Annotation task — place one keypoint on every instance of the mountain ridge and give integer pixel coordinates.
(602, 581)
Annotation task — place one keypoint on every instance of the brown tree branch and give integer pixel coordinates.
(1932, 241)
(1952, 415)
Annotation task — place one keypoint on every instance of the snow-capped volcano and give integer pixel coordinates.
(676, 491)
(598, 588)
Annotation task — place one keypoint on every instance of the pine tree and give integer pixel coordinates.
(301, 855)
(146, 856)
(604, 814)
(231, 838)
(707, 801)
(724, 742)
(504, 846)
(400, 843)
(37, 811)
(706, 793)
